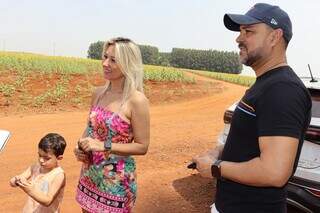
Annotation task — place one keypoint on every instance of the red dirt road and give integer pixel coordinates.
(178, 132)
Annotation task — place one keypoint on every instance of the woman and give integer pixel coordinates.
(118, 127)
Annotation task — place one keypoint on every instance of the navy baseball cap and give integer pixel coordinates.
(271, 15)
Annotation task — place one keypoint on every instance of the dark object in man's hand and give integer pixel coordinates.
(192, 165)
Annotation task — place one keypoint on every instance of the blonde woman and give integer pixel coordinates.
(118, 127)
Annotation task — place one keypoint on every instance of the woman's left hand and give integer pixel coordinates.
(89, 144)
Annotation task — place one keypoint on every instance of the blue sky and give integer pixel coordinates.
(67, 27)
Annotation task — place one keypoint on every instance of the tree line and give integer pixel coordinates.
(209, 60)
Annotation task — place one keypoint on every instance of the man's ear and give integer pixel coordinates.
(276, 36)
(60, 157)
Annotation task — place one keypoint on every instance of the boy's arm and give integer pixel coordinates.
(41, 197)
(26, 175)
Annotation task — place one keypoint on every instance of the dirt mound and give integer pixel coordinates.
(42, 93)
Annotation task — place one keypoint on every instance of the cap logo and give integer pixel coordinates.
(273, 21)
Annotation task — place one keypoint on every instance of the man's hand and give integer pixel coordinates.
(204, 162)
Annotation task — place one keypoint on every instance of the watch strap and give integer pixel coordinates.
(107, 144)
(216, 169)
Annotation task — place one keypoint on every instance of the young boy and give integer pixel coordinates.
(44, 182)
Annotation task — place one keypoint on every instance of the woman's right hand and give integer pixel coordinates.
(81, 155)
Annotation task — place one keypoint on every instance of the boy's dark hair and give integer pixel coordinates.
(53, 142)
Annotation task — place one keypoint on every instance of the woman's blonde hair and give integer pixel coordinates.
(128, 57)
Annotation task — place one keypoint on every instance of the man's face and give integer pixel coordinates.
(254, 43)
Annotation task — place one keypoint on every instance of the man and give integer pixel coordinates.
(268, 124)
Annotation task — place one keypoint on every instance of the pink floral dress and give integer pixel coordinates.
(107, 183)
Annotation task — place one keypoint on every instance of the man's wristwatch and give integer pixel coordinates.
(107, 145)
(216, 169)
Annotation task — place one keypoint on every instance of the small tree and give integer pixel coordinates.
(163, 59)
(149, 54)
(95, 50)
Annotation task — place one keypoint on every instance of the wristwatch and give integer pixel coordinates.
(107, 145)
(216, 169)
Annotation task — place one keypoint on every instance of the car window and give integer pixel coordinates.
(315, 111)
(315, 96)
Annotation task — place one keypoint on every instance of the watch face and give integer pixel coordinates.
(107, 145)
(214, 170)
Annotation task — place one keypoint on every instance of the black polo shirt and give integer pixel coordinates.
(278, 104)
